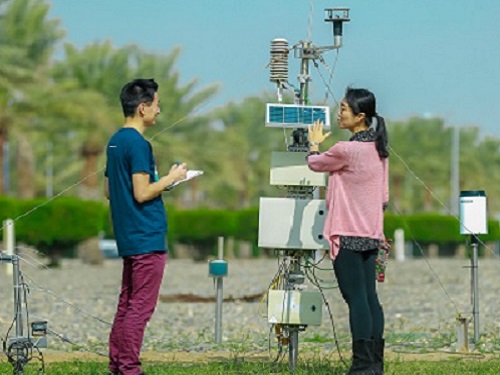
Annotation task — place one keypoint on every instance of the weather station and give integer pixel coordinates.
(28, 336)
(473, 222)
(293, 225)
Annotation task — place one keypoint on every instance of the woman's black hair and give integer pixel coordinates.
(363, 101)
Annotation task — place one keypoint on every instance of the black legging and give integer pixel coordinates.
(355, 272)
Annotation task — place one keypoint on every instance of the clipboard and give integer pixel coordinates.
(191, 173)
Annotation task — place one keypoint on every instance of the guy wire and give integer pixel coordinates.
(61, 299)
(331, 71)
(425, 258)
(51, 293)
(448, 211)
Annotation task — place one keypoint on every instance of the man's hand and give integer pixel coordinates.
(178, 172)
(144, 190)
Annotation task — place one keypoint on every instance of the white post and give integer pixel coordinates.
(218, 306)
(475, 287)
(9, 242)
(220, 248)
(462, 334)
(455, 171)
(399, 244)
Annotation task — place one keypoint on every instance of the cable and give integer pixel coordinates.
(316, 282)
(331, 71)
(26, 292)
(23, 348)
(333, 323)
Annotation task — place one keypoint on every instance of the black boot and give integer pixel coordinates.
(362, 358)
(378, 356)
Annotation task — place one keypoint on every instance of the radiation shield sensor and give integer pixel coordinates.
(473, 213)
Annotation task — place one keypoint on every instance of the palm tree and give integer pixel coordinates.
(101, 69)
(179, 133)
(237, 153)
(59, 119)
(424, 145)
(27, 40)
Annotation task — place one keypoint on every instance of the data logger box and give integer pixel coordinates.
(299, 307)
(290, 169)
(289, 223)
(473, 215)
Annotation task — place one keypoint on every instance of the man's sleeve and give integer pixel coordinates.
(140, 157)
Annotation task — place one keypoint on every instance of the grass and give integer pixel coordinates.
(412, 352)
(240, 366)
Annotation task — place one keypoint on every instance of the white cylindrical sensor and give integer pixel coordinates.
(473, 216)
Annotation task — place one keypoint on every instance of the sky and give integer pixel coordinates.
(425, 58)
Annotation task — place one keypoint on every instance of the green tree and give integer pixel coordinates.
(237, 152)
(60, 115)
(182, 127)
(27, 40)
(101, 69)
(420, 163)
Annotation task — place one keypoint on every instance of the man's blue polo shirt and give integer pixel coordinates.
(140, 228)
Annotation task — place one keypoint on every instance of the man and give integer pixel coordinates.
(139, 222)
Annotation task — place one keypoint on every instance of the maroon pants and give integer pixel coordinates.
(141, 280)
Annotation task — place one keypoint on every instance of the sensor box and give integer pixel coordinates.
(473, 216)
(294, 307)
(288, 223)
(290, 169)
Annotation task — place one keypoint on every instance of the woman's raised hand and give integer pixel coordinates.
(315, 132)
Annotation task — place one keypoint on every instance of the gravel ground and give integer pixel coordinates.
(421, 300)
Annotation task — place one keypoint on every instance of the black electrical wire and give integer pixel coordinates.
(333, 324)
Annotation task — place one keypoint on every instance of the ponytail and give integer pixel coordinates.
(381, 139)
(363, 101)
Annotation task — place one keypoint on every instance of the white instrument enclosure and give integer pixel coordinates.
(473, 212)
(287, 223)
(294, 307)
(290, 169)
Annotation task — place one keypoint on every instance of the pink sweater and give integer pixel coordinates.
(357, 190)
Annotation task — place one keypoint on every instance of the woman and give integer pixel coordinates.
(356, 197)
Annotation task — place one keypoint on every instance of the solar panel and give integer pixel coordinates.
(296, 116)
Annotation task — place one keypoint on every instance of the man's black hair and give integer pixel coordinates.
(136, 92)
